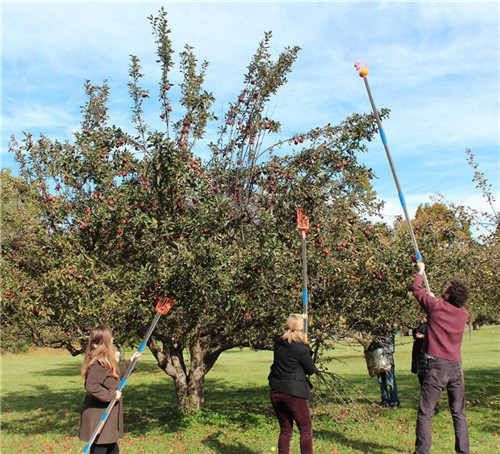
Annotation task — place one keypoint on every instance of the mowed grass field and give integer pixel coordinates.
(42, 393)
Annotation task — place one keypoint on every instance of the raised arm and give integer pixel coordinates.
(419, 293)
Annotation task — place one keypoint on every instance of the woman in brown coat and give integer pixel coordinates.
(102, 379)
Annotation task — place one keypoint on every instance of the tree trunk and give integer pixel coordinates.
(189, 383)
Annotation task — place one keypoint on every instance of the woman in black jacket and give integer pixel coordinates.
(289, 385)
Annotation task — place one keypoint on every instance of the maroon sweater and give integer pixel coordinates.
(445, 324)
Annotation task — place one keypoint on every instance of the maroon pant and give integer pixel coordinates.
(442, 374)
(289, 409)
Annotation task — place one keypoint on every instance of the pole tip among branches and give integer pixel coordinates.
(302, 221)
(164, 304)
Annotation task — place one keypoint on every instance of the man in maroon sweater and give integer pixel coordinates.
(446, 320)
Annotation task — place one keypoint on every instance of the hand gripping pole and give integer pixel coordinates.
(162, 307)
(362, 70)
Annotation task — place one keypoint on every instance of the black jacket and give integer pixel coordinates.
(292, 362)
(418, 361)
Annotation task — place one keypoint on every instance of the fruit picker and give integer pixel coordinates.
(303, 226)
(162, 307)
(362, 70)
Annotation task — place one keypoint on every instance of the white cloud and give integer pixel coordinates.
(435, 65)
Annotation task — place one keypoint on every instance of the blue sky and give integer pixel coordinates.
(436, 65)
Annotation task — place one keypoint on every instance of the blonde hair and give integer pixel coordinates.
(100, 348)
(294, 331)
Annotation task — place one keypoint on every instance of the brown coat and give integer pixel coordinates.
(101, 389)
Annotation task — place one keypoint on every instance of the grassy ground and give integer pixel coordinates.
(42, 394)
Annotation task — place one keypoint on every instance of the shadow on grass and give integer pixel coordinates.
(40, 410)
(147, 407)
(364, 446)
(215, 445)
(481, 386)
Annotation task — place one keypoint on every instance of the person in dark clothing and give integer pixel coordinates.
(289, 385)
(387, 379)
(418, 358)
(446, 320)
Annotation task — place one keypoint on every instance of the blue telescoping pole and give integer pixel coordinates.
(363, 73)
(163, 306)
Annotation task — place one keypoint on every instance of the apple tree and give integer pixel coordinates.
(128, 216)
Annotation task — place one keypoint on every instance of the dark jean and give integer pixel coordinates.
(388, 386)
(289, 409)
(442, 374)
(111, 448)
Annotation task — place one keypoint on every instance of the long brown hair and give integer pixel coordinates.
(295, 330)
(100, 348)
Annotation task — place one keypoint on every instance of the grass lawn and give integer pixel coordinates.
(42, 394)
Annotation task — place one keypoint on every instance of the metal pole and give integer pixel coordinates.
(305, 293)
(363, 72)
(303, 226)
(162, 308)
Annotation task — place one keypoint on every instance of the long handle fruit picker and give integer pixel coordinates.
(162, 307)
(362, 70)
(303, 226)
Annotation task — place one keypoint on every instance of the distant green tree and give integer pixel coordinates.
(443, 232)
(476, 258)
